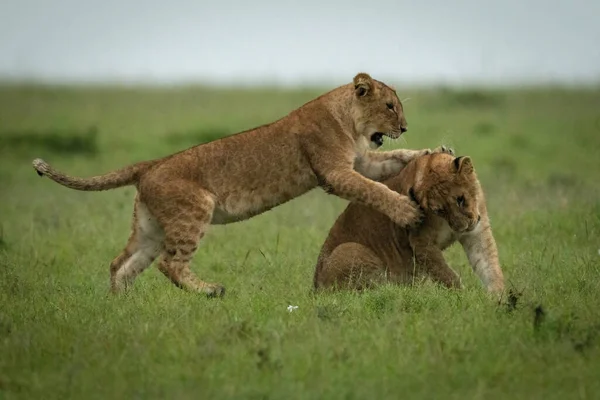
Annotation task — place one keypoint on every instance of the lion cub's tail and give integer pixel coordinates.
(122, 177)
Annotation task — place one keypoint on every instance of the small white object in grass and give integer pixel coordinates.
(291, 308)
(599, 252)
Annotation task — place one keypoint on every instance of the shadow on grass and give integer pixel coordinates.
(450, 98)
(570, 328)
(580, 333)
(196, 136)
(82, 142)
(504, 167)
(472, 98)
(484, 129)
(3, 244)
(559, 180)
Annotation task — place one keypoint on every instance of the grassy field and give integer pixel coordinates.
(537, 153)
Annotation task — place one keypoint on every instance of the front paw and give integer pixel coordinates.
(444, 149)
(496, 290)
(407, 214)
(453, 281)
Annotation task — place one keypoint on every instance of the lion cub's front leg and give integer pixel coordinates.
(480, 248)
(335, 173)
(352, 186)
(381, 165)
(431, 260)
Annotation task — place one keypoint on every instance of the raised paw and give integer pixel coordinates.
(214, 291)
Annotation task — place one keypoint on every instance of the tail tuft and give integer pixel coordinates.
(121, 177)
(40, 166)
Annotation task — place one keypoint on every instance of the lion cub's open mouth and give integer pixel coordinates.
(377, 138)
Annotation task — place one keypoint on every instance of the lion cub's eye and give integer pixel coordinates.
(390, 106)
(460, 200)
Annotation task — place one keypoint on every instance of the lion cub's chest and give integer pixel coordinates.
(442, 234)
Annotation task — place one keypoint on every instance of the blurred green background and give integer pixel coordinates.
(536, 152)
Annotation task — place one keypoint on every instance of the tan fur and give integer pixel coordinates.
(326, 142)
(365, 248)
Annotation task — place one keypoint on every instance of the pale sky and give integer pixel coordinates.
(295, 42)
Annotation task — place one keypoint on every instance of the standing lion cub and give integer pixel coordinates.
(324, 143)
(365, 247)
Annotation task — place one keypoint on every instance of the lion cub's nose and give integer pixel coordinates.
(403, 129)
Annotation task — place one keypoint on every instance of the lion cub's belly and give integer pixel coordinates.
(244, 203)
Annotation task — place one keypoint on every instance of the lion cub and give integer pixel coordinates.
(327, 142)
(365, 247)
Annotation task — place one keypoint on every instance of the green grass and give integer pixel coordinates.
(537, 153)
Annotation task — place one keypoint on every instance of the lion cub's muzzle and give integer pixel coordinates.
(473, 224)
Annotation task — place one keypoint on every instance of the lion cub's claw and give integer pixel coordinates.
(444, 149)
(416, 222)
(408, 214)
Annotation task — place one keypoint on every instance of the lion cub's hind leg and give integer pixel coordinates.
(185, 213)
(143, 246)
(351, 266)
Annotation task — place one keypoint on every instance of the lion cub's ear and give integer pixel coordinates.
(463, 165)
(363, 84)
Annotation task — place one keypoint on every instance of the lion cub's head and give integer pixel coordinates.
(376, 110)
(448, 187)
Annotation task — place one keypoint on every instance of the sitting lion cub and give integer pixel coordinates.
(365, 247)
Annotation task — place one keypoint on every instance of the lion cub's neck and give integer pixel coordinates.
(338, 102)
